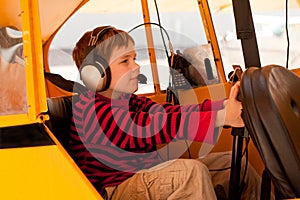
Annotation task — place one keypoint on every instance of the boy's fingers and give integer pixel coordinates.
(234, 90)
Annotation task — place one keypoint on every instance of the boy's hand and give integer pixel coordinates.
(231, 114)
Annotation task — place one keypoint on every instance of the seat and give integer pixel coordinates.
(60, 113)
(60, 108)
(271, 111)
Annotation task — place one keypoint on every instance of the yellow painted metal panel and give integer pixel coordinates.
(13, 120)
(42, 173)
(33, 57)
(35, 86)
(33, 63)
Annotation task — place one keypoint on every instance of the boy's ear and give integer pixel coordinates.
(95, 73)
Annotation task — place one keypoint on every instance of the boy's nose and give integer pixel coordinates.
(136, 67)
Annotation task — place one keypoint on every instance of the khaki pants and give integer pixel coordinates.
(222, 160)
(184, 179)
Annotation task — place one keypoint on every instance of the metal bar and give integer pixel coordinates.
(33, 57)
(211, 37)
(237, 148)
(246, 33)
(151, 50)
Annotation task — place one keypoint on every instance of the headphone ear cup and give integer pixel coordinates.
(95, 74)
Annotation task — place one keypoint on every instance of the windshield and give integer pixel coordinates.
(278, 41)
(183, 26)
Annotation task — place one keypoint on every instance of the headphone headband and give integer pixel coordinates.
(94, 38)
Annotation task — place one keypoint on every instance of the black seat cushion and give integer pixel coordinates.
(60, 113)
(271, 102)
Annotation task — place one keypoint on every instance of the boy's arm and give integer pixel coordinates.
(136, 129)
(147, 105)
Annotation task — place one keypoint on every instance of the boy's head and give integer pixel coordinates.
(93, 55)
(104, 45)
(79, 50)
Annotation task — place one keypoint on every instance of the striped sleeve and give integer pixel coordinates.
(132, 130)
(148, 105)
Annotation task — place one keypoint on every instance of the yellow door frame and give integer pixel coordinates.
(33, 59)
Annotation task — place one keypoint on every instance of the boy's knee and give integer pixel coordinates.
(195, 166)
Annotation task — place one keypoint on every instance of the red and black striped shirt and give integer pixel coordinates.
(113, 139)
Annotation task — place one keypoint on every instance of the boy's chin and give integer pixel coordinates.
(130, 91)
(133, 91)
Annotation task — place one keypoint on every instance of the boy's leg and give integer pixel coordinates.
(176, 179)
(218, 163)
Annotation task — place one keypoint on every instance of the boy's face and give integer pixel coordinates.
(124, 70)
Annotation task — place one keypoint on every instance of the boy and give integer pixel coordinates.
(115, 133)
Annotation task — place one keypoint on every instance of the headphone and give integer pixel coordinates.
(94, 71)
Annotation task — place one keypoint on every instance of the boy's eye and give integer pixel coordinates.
(125, 61)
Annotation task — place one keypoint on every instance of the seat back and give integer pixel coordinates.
(271, 111)
(60, 113)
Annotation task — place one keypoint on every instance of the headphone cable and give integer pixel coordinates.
(162, 36)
